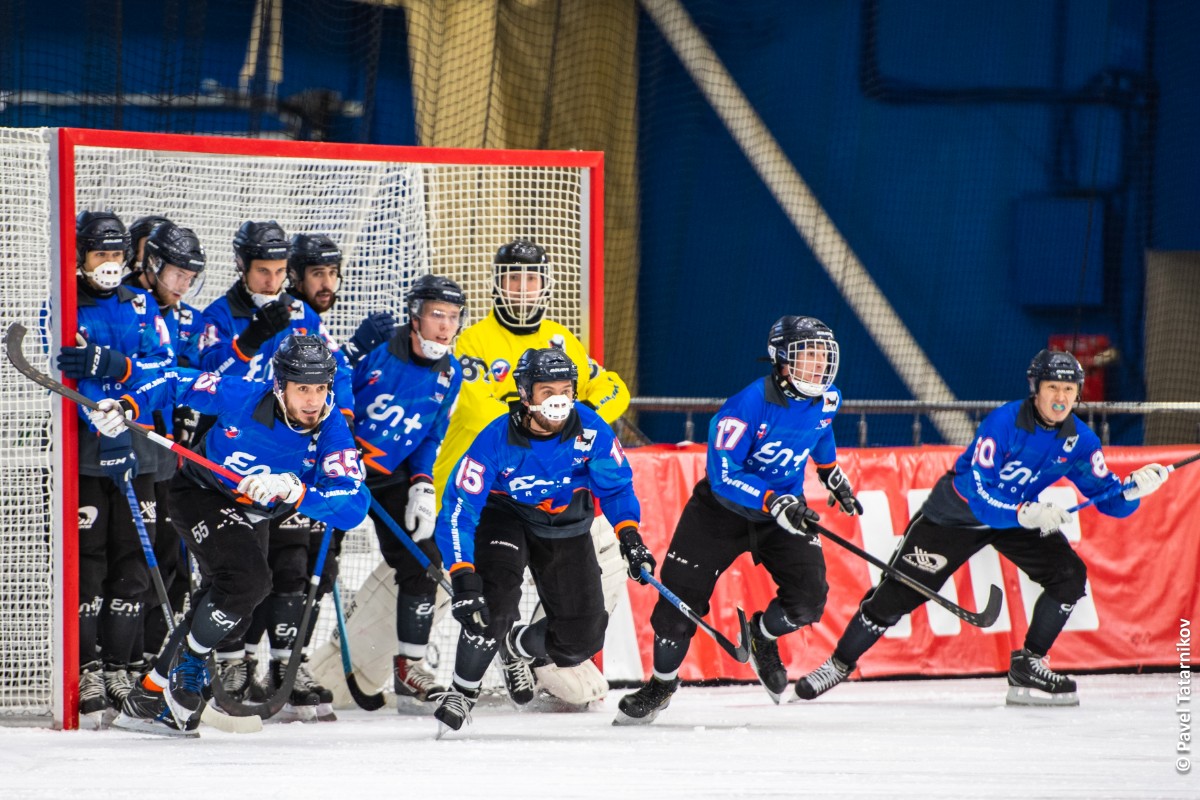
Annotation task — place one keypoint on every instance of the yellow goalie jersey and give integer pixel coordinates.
(488, 353)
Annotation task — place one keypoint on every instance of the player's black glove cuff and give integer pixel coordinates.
(635, 553)
(266, 322)
(117, 458)
(840, 490)
(469, 606)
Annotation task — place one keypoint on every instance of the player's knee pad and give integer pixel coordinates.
(1069, 582)
(889, 602)
(669, 623)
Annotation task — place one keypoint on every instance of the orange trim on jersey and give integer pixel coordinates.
(825, 466)
(369, 452)
(428, 478)
(128, 370)
(768, 496)
(625, 525)
(137, 410)
(461, 566)
(237, 350)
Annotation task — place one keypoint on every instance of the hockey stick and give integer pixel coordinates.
(431, 569)
(1112, 490)
(276, 702)
(12, 346)
(980, 619)
(367, 702)
(739, 653)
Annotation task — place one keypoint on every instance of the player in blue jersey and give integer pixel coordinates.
(752, 500)
(403, 393)
(522, 495)
(991, 498)
(296, 456)
(121, 339)
(169, 263)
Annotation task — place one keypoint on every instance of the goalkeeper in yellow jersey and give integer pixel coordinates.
(522, 285)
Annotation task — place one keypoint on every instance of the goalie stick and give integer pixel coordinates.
(980, 619)
(367, 702)
(13, 341)
(1112, 490)
(739, 652)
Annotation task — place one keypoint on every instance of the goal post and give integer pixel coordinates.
(397, 213)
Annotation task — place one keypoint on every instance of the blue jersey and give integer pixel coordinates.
(402, 408)
(548, 481)
(1012, 460)
(126, 320)
(186, 326)
(250, 437)
(761, 440)
(226, 318)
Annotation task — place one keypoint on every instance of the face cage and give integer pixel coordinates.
(417, 306)
(518, 305)
(809, 380)
(156, 265)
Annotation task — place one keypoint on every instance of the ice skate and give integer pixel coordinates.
(454, 708)
(518, 674)
(822, 679)
(765, 661)
(1032, 683)
(642, 707)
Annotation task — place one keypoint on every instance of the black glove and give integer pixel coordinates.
(373, 331)
(792, 514)
(468, 605)
(117, 458)
(92, 361)
(266, 322)
(840, 490)
(635, 553)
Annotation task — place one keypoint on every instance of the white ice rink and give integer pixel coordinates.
(910, 739)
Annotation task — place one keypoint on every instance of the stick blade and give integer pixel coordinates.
(741, 653)
(367, 702)
(991, 611)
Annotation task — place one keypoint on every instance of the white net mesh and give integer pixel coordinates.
(394, 220)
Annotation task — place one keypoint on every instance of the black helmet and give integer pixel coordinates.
(259, 240)
(790, 335)
(1054, 365)
(516, 311)
(310, 250)
(433, 287)
(168, 243)
(99, 230)
(140, 229)
(543, 366)
(303, 359)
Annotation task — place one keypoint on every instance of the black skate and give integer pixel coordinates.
(1032, 683)
(306, 681)
(234, 675)
(146, 711)
(642, 706)
(93, 696)
(454, 708)
(117, 684)
(822, 679)
(414, 685)
(301, 703)
(518, 675)
(765, 661)
(259, 689)
(185, 696)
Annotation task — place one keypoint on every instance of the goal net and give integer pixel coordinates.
(397, 213)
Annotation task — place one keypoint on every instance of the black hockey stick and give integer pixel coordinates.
(1119, 487)
(739, 652)
(367, 702)
(981, 619)
(431, 569)
(275, 703)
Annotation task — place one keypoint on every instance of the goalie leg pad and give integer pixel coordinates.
(576, 686)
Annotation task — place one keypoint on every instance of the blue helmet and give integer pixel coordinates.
(1054, 365)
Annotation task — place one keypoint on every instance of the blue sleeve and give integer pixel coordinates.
(464, 498)
(729, 436)
(422, 458)
(338, 496)
(217, 351)
(1092, 477)
(612, 481)
(179, 386)
(154, 351)
(985, 501)
(824, 452)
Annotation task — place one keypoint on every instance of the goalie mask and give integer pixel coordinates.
(303, 359)
(435, 288)
(1054, 365)
(101, 231)
(806, 348)
(521, 285)
(547, 365)
(169, 245)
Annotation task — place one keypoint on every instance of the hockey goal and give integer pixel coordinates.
(397, 212)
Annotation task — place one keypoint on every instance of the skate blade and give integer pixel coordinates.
(409, 706)
(96, 720)
(185, 718)
(291, 713)
(443, 729)
(325, 713)
(546, 703)
(1027, 696)
(152, 727)
(624, 719)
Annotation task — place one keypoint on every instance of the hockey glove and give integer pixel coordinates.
(1146, 480)
(469, 606)
(109, 418)
(421, 510)
(93, 361)
(1046, 517)
(266, 322)
(635, 553)
(792, 514)
(840, 491)
(373, 331)
(262, 489)
(117, 458)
